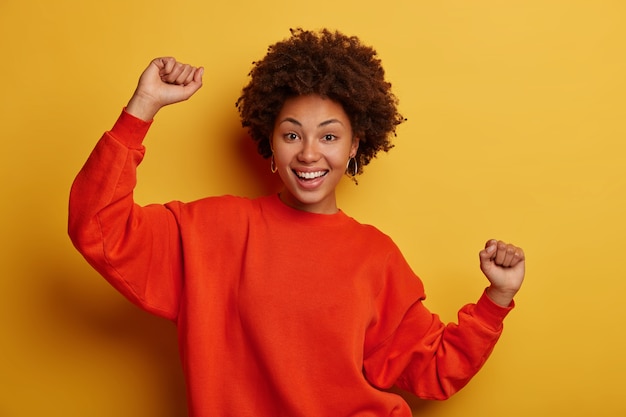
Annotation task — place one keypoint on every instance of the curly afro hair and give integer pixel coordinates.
(331, 65)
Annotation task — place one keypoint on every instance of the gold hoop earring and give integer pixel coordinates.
(352, 173)
(273, 165)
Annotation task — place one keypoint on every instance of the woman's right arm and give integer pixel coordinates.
(137, 249)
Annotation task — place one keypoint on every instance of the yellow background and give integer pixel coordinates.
(515, 130)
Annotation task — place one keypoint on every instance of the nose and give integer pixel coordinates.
(309, 152)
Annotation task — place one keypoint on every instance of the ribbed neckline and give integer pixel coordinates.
(276, 205)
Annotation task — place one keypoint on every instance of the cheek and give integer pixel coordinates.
(282, 161)
(341, 156)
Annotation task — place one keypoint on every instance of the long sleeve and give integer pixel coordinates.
(458, 351)
(429, 358)
(137, 249)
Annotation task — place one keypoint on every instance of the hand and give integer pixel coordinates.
(504, 266)
(165, 81)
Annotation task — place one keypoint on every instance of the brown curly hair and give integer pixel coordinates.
(331, 65)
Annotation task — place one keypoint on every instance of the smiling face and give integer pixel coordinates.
(312, 142)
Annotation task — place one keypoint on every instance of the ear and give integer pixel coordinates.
(354, 147)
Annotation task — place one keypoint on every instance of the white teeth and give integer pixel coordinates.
(310, 175)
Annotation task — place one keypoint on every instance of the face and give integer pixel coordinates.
(312, 142)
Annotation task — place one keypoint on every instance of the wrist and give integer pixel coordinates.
(142, 107)
(501, 297)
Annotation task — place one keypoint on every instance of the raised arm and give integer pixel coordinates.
(137, 249)
(434, 360)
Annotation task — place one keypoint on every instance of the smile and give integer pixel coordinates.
(310, 175)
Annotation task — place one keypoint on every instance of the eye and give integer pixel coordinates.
(291, 136)
(329, 137)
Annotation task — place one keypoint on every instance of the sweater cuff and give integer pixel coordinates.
(491, 313)
(130, 130)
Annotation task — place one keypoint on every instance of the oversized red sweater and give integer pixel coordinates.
(279, 312)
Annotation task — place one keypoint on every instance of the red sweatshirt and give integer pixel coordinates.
(280, 312)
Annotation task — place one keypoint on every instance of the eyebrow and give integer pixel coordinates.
(322, 124)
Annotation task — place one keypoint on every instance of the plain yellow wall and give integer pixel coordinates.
(515, 129)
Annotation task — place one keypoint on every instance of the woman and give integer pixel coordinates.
(284, 305)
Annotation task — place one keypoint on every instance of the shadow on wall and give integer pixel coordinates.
(103, 332)
(263, 182)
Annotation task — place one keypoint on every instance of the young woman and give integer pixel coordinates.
(285, 306)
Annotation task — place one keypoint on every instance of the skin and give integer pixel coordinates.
(311, 135)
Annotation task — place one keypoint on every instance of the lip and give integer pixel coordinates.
(311, 183)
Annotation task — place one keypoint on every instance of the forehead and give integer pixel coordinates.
(312, 109)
